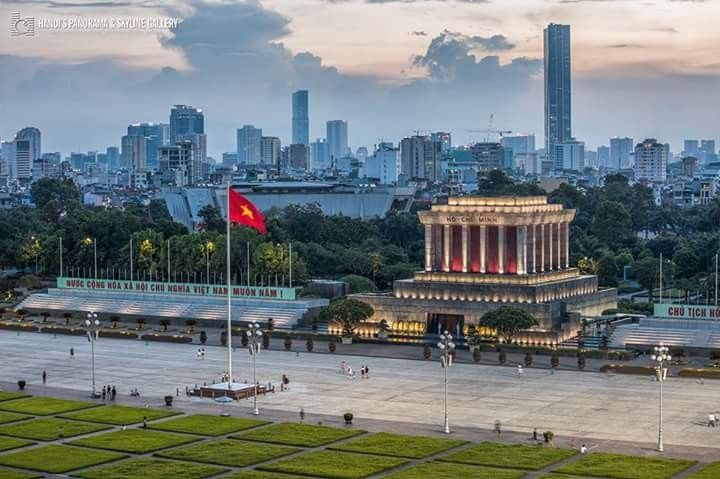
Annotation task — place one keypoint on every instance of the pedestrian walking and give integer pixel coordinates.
(498, 427)
(367, 372)
(114, 393)
(285, 382)
(72, 353)
(103, 393)
(302, 414)
(177, 392)
(144, 422)
(535, 436)
(44, 376)
(519, 369)
(583, 449)
(711, 420)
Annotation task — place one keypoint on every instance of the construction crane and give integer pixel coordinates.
(490, 129)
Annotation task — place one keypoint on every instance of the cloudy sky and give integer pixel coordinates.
(390, 67)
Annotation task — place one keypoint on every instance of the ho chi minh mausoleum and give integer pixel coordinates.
(485, 252)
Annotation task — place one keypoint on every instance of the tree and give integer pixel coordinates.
(347, 313)
(607, 270)
(55, 196)
(212, 219)
(612, 225)
(507, 321)
(646, 272)
(473, 338)
(358, 284)
(165, 323)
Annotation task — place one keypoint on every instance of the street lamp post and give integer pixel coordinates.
(661, 357)
(92, 326)
(254, 334)
(446, 347)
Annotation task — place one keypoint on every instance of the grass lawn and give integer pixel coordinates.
(6, 417)
(57, 459)
(50, 429)
(229, 452)
(510, 455)
(335, 465)
(139, 441)
(207, 425)
(7, 395)
(120, 415)
(618, 466)
(43, 406)
(710, 471)
(261, 475)
(7, 443)
(437, 470)
(386, 444)
(9, 474)
(294, 434)
(562, 476)
(151, 468)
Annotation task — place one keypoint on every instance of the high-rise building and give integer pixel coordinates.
(337, 139)
(298, 157)
(603, 156)
(621, 150)
(155, 135)
(7, 148)
(558, 106)
(383, 164)
(651, 159)
(28, 149)
(319, 156)
(488, 155)
(133, 153)
(515, 145)
(112, 156)
(185, 120)
(707, 151)
(572, 153)
(270, 148)
(248, 145)
(420, 158)
(690, 148)
(444, 138)
(300, 118)
(176, 163)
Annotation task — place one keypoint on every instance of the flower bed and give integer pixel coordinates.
(700, 373)
(620, 369)
(167, 339)
(108, 333)
(63, 330)
(17, 326)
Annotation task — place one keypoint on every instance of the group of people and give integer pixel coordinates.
(714, 419)
(284, 382)
(347, 370)
(134, 392)
(200, 353)
(109, 392)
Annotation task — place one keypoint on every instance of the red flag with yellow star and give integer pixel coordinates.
(244, 212)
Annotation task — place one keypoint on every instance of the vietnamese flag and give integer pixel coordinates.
(242, 211)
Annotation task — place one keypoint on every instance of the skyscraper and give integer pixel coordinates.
(621, 150)
(185, 120)
(603, 156)
(319, 157)
(420, 158)
(248, 145)
(651, 159)
(270, 151)
(27, 150)
(558, 107)
(133, 149)
(155, 135)
(337, 139)
(300, 118)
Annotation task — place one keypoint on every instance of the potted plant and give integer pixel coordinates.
(502, 357)
(347, 313)
(22, 313)
(476, 355)
(165, 323)
(203, 337)
(270, 324)
(332, 345)
(473, 338)
(309, 344)
(383, 329)
(223, 338)
(168, 400)
(427, 352)
(548, 436)
(21, 384)
(140, 322)
(244, 339)
(288, 343)
(190, 323)
(528, 359)
(348, 418)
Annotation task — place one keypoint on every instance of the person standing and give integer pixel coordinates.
(44, 377)
(498, 427)
(72, 352)
(103, 393)
(535, 436)
(302, 414)
(711, 420)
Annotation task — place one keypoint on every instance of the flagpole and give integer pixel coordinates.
(229, 302)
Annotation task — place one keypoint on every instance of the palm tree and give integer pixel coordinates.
(165, 323)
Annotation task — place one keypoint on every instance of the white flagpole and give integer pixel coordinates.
(661, 278)
(290, 252)
(229, 302)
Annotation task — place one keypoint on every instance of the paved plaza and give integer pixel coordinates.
(570, 403)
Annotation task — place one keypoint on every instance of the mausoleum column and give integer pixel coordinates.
(534, 246)
(446, 248)
(566, 226)
(483, 249)
(542, 248)
(501, 249)
(521, 244)
(560, 248)
(428, 248)
(465, 247)
(551, 246)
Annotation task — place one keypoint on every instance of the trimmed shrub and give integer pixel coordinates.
(427, 352)
(502, 357)
(203, 337)
(554, 361)
(332, 346)
(581, 362)
(528, 359)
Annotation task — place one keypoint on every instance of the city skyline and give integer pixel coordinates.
(440, 85)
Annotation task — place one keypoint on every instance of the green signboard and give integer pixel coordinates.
(687, 311)
(176, 289)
